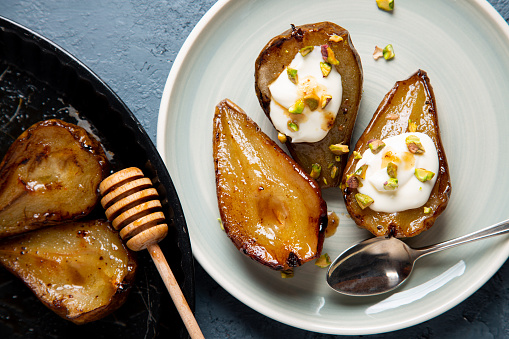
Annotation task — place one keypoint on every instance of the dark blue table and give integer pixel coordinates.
(131, 45)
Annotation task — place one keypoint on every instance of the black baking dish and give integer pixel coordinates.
(38, 81)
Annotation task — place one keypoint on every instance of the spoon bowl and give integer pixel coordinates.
(379, 265)
(373, 266)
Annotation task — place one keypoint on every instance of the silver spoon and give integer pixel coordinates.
(381, 264)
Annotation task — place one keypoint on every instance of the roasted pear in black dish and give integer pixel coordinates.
(396, 182)
(270, 208)
(81, 270)
(50, 174)
(309, 83)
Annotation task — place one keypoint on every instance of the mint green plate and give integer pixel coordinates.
(464, 48)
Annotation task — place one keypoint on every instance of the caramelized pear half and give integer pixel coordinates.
(50, 174)
(278, 54)
(270, 208)
(82, 271)
(408, 107)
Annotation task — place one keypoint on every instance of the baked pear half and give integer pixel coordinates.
(50, 174)
(270, 208)
(82, 271)
(396, 182)
(308, 81)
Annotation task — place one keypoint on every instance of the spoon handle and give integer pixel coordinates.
(497, 229)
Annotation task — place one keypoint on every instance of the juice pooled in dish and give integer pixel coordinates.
(396, 182)
(309, 83)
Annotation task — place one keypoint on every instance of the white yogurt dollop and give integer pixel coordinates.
(312, 125)
(411, 192)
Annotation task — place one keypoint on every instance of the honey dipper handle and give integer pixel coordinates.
(175, 292)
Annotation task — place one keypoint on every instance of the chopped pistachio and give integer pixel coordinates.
(414, 144)
(388, 52)
(311, 100)
(323, 261)
(427, 210)
(325, 181)
(392, 170)
(324, 100)
(335, 38)
(220, 223)
(292, 75)
(306, 50)
(297, 107)
(378, 53)
(412, 126)
(386, 5)
(339, 149)
(352, 181)
(376, 145)
(333, 172)
(361, 171)
(363, 200)
(293, 126)
(328, 55)
(337, 158)
(326, 68)
(357, 155)
(423, 175)
(316, 169)
(391, 184)
(281, 137)
(287, 273)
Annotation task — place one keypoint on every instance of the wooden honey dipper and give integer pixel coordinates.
(133, 207)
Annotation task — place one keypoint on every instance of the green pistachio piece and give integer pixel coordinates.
(292, 75)
(376, 145)
(386, 5)
(427, 210)
(423, 175)
(335, 38)
(391, 184)
(392, 170)
(414, 144)
(324, 100)
(312, 101)
(352, 181)
(297, 107)
(326, 68)
(323, 261)
(306, 50)
(220, 223)
(328, 55)
(316, 169)
(333, 172)
(363, 200)
(339, 149)
(293, 126)
(357, 155)
(388, 52)
(361, 171)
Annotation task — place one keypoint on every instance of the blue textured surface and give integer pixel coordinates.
(131, 45)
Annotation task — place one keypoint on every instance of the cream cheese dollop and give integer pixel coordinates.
(411, 192)
(314, 125)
